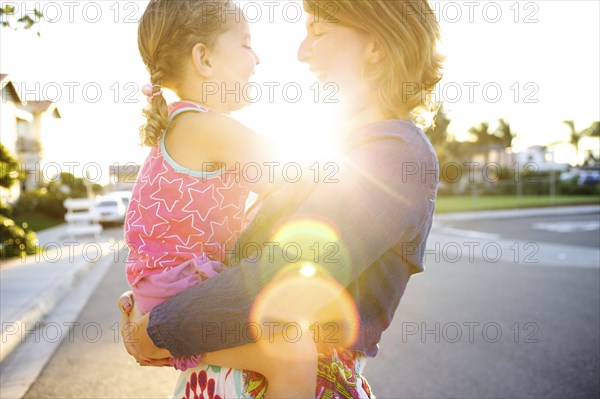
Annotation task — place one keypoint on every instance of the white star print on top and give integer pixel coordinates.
(177, 215)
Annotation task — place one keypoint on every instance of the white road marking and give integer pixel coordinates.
(568, 227)
(468, 233)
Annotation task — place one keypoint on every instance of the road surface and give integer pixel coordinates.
(467, 327)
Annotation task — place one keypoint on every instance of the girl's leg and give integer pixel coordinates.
(290, 367)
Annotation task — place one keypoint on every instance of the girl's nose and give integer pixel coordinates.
(304, 51)
(256, 57)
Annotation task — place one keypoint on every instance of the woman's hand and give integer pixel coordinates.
(135, 337)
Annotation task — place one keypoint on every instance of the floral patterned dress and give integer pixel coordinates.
(339, 376)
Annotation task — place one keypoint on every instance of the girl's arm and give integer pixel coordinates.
(210, 140)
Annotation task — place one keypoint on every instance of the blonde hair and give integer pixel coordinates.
(167, 32)
(408, 33)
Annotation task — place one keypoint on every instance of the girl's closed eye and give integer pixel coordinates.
(313, 31)
(318, 30)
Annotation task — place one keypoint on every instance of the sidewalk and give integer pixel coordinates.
(31, 287)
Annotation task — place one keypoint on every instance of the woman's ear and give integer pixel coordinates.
(201, 60)
(375, 52)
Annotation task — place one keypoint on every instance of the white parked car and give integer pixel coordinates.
(110, 209)
(124, 196)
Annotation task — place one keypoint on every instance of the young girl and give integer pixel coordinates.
(187, 207)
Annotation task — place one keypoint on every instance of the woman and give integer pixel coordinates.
(374, 220)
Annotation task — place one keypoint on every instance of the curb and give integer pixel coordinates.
(35, 312)
(517, 213)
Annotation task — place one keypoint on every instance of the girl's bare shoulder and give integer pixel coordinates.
(212, 126)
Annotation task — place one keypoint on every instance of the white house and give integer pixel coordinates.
(10, 113)
(543, 159)
(21, 126)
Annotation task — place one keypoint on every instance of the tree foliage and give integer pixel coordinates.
(593, 130)
(17, 239)
(438, 135)
(26, 21)
(575, 136)
(505, 133)
(484, 137)
(9, 168)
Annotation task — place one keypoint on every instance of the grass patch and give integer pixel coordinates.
(479, 203)
(38, 222)
(444, 204)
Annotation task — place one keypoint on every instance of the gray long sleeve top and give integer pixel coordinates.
(381, 204)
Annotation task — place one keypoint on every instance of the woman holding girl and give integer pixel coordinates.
(382, 55)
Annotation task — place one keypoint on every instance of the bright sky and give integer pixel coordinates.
(536, 66)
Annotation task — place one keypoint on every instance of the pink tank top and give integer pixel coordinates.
(176, 214)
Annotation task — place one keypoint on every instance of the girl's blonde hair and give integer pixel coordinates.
(408, 33)
(167, 32)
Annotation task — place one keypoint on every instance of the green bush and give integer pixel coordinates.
(41, 201)
(10, 171)
(572, 187)
(5, 209)
(17, 240)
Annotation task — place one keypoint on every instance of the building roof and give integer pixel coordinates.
(42, 106)
(9, 91)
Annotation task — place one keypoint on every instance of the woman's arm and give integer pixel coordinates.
(290, 365)
(261, 355)
(384, 195)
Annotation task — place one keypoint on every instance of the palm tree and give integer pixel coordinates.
(439, 132)
(593, 130)
(438, 136)
(575, 136)
(481, 133)
(483, 139)
(505, 133)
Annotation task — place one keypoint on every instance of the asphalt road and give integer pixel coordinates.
(579, 230)
(481, 330)
(471, 329)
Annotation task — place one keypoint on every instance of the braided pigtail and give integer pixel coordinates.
(156, 113)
